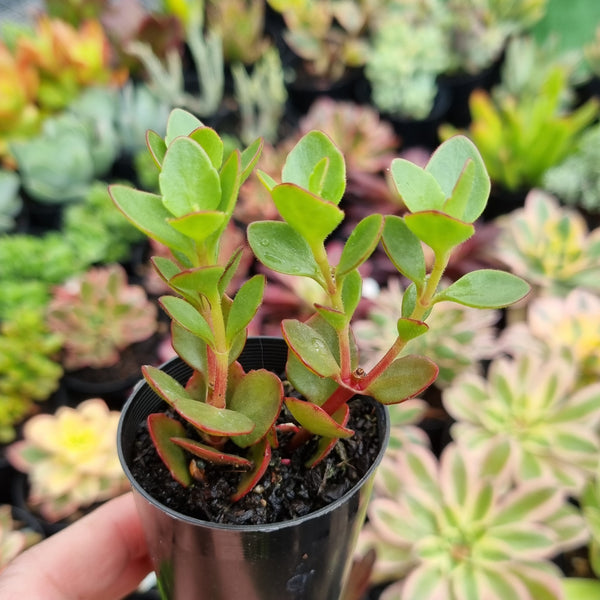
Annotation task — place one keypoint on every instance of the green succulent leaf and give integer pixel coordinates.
(404, 249)
(351, 292)
(157, 147)
(162, 428)
(406, 377)
(311, 216)
(188, 181)
(440, 232)
(315, 419)
(249, 157)
(260, 455)
(310, 348)
(205, 417)
(199, 225)
(244, 307)
(189, 347)
(326, 444)
(456, 205)
(486, 288)
(409, 329)
(147, 213)
(203, 280)
(335, 318)
(180, 123)
(211, 454)
(360, 244)
(259, 396)
(165, 268)
(188, 317)
(418, 189)
(282, 249)
(211, 143)
(230, 270)
(229, 177)
(447, 165)
(409, 301)
(266, 180)
(305, 166)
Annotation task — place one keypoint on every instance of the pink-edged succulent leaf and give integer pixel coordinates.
(157, 147)
(188, 181)
(199, 225)
(440, 232)
(360, 244)
(189, 347)
(230, 270)
(211, 454)
(181, 123)
(260, 455)
(230, 183)
(486, 288)
(211, 143)
(316, 420)
(162, 428)
(165, 267)
(404, 249)
(188, 317)
(310, 347)
(196, 386)
(317, 165)
(203, 280)
(244, 307)
(258, 396)
(249, 157)
(409, 329)
(406, 377)
(147, 213)
(280, 248)
(418, 189)
(310, 215)
(335, 318)
(326, 444)
(206, 418)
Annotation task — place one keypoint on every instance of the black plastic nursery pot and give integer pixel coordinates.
(306, 558)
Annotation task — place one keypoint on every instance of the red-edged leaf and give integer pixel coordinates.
(260, 454)
(315, 419)
(162, 428)
(211, 454)
(325, 445)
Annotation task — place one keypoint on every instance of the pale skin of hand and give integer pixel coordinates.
(103, 556)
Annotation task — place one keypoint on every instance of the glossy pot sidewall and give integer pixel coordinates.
(303, 559)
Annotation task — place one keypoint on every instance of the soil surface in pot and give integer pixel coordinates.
(287, 491)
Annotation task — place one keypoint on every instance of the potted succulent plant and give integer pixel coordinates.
(221, 453)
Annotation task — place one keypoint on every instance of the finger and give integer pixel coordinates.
(103, 556)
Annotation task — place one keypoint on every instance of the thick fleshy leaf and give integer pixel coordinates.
(456, 205)
(408, 329)
(230, 270)
(447, 164)
(486, 288)
(211, 453)
(188, 317)
(315, 419)
(440, 232)
(244, 307)
(188, 181)
(326, 444)
(418, 189)
(199, 225)
(259, 396)
(190, 348)
(157, 147)
(203, 280)
(207, 418)
(211, 143)
(282, 249)
(409, 300)
(351, 292)
(230, 184)
(404, 249)
(311, 216)
(335, 318)
(360, 244)
(181, 123)
(162, 428)
(310, 348)
(406, 377)
(165, 268)
(147, 213)
(249, 157)
(260, 455)
(302, 160)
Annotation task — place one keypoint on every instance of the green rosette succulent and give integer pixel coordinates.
(535, 409)
(458, 529)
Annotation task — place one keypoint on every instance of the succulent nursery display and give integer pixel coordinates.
(70, 459)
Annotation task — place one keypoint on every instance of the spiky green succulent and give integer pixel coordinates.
(458, 529)
(535, 408)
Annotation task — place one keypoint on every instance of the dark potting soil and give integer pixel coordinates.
(287, 490)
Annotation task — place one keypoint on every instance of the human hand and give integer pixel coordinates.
(103, 556)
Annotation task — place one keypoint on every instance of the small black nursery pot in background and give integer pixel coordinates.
(301, 559)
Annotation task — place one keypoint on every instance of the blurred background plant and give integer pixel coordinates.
(15, 536)
(29, 368)
(70, 459)
(11, 203)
